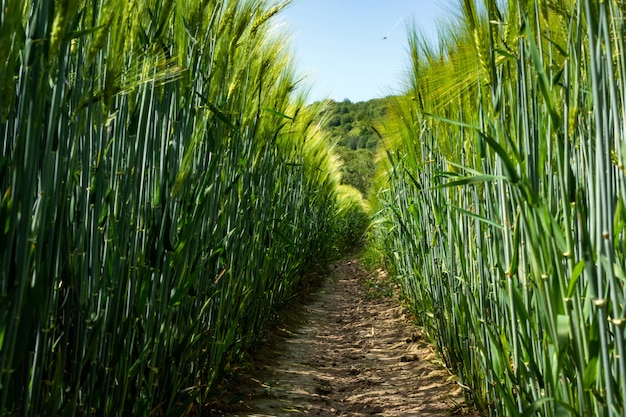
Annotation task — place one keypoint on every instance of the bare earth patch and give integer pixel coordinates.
(344, 352)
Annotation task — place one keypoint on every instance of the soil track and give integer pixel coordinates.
(347, 350)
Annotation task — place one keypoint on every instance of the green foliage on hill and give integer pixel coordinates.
(350, 126)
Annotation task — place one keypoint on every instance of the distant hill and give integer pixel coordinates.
(349, 125)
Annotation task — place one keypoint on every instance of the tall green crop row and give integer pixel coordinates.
(162, 189)
(502, 203)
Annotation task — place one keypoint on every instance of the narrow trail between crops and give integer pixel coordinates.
(346, 350)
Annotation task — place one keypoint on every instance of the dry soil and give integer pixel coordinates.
(348, 349)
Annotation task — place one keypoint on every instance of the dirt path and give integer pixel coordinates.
(349, 351)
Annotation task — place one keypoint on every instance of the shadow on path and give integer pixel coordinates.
(345, 352)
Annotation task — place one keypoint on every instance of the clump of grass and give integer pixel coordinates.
(371, 257)
(378, 285)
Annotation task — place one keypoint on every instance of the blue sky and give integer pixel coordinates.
(339, 43)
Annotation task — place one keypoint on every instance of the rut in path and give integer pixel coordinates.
(345, 352)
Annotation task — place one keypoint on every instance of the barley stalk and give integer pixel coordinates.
(503, 206)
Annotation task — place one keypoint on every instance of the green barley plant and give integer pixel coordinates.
(162, 191)
(353, 219)
(501, 203)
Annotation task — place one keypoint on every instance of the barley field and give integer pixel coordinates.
(165, 187)
(501, 202)
(163, 190)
